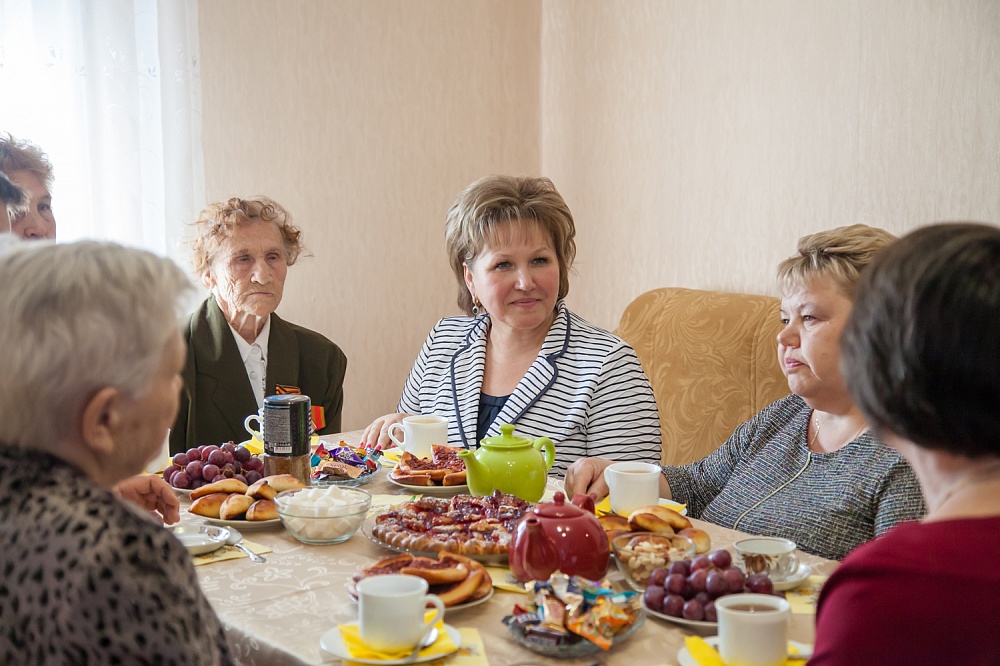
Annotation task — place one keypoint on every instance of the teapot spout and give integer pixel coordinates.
(477, 474)
(533, 556)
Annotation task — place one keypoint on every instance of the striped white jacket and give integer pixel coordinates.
(586, 390)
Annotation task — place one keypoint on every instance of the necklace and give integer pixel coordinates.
(812, 441)
(973, 478)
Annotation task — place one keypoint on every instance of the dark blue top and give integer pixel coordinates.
(489, 407)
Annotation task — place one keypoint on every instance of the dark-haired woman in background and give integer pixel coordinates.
(921, 356)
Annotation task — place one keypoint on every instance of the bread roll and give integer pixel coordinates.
(209, 505)
(283, 482)
(224, 486)
(262, 490)
(262, 509)
(235, 506)
(613, 521)
(702, 542)
(658, 519)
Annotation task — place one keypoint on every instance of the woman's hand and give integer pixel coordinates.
(585, 476)
(153, 494)
(378, 431)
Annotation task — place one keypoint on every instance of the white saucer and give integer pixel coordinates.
(432, 490)
(333, 643)
(799, 576)
(685, 658)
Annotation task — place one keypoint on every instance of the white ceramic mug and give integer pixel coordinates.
(632, 485)
(391, 611)
(771, 555)
(420, 431)
(753, 629)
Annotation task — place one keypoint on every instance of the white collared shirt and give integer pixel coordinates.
(255, 359)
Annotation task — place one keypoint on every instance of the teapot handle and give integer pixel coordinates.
(550, 451)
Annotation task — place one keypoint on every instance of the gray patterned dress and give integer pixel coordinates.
(764, 480)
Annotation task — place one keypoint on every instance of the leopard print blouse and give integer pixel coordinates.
(84, 579)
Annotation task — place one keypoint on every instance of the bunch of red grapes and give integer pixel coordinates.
(689, 588)
(210, 463)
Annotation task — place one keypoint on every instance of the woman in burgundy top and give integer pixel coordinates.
(922, 360)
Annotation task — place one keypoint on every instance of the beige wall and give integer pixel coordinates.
(365, 119)
(694, 140)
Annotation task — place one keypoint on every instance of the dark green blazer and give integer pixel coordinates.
(217, 395)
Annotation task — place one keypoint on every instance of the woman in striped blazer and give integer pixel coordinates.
(520, 356)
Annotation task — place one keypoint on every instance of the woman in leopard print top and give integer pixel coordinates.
(90, 352)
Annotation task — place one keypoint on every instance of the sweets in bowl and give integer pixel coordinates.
(323, 515)
(639, 555)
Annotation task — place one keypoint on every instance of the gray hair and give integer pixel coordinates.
(79, 317)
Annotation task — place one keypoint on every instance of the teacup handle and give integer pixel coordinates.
(246, 425)
(793, 564)
(398, 442)
(434, 600)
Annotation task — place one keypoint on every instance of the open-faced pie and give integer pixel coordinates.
(444, 468)
(464, 524)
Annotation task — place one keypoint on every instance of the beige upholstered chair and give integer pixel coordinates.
(711, 358)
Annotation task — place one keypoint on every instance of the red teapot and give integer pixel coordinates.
(560, 536)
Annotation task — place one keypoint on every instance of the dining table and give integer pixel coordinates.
(276, 612)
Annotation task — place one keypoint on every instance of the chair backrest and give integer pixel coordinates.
(711, 359)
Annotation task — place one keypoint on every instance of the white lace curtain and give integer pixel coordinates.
(110, 89)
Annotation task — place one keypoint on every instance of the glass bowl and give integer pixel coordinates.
(638, 554)
(322, 516)
(577, 646)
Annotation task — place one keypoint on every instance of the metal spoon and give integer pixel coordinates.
(236, 539)
(427, 642)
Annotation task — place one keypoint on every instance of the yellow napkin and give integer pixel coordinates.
(803, 599)
(706, 655)
(470, 653)
(392, 455)
(603, 507)
(351, 633)
(229, 553)
(503, 579)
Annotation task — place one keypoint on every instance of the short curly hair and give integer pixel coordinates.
(493, 203)
(16, 155)
(919, 352)
(838, 254)
(220, 221)
(12, 198)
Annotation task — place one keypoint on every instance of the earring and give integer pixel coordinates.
(476, 306)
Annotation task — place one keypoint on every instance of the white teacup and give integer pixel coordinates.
(753, 629)
(391, 611)
(420, 432)
(632, 485)
(770, 555)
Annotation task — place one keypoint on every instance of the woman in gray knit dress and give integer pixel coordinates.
(805, 468)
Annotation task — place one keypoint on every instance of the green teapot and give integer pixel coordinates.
(513, 465)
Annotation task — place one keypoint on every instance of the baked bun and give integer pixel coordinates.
(235, 506)
(262, 490)
(209, 505)
(658, 519)
(224, 486)
(454, 479)
(283, 482)
(262, 509)
(613, 521)
(436, 572)
(702, 542)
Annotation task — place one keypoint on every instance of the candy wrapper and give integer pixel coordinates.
(342, 462)
(565, 609)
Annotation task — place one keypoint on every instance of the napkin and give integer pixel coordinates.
(604, 507)
(392, 455)
(706, 655)
(351, 633)
(804, 598)
(229, 553)
(470, 653)
(503, 579)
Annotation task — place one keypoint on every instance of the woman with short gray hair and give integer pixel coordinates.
(90, 355)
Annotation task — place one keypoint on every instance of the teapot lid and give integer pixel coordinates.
(558, 508)
(506, 438)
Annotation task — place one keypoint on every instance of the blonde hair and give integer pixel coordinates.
(496, 203)
(220, 221)
(838, 254)
(18, 155)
